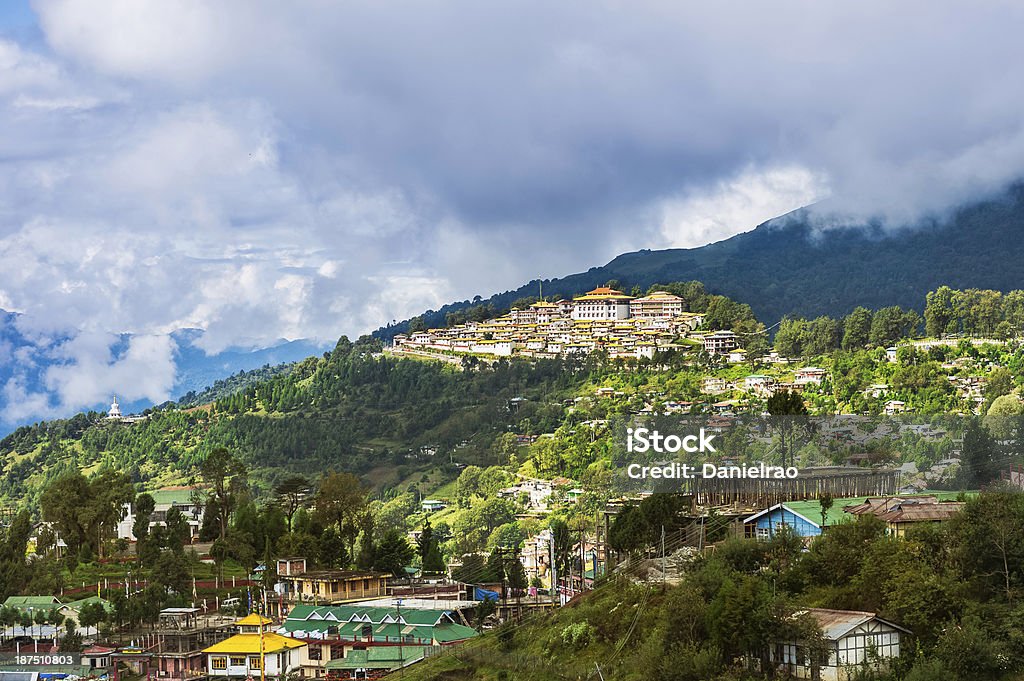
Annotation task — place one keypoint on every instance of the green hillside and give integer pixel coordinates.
(719, 615)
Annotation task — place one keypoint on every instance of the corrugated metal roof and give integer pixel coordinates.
(835, 624)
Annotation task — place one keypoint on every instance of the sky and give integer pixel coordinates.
(265, 170)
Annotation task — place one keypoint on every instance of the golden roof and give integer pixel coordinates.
(249, 644)
(603, 293)
(660, 296)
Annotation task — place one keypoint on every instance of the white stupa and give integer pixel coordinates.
(115, 410)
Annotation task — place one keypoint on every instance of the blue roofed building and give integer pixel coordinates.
(765, 524)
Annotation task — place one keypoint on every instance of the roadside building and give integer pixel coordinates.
(334, 586)
(182, 635)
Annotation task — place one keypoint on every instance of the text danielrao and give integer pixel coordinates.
(682, 471)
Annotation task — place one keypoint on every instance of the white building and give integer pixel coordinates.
(602, 303)
(720, 342)
(180, 497)
(254, 649)
(893, 407)
(852, 638)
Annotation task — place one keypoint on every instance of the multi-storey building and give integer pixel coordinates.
(602, 303)
(657, 305)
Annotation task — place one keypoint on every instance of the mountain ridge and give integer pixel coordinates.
(790, 266)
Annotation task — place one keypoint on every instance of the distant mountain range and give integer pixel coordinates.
(788, 266)
(195, 370)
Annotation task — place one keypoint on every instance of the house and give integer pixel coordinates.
(764, 524)
(97, 657)
(73, 610)
(809, 375)
(45, 537)
(286, 567)
(720, 342)
(714, 385)
(184, 498)
(333, 586)
(373, 663)
(876, 390)
(350, 632)
(535, 493)
(254, 651)
(758, 383)
(433, 505)
(852, 639)
(737, 356)
(25, 604)
(901, 513)
(894, 407)
(602, 303)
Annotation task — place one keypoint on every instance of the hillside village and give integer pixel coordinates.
(602, 319)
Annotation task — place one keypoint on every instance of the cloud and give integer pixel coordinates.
(266, 170)
(752, 197)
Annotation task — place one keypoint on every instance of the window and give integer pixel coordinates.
(254, 662)
(315, 652)
(218, 663)
(237, 661)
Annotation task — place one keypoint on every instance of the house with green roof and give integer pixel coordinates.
(336, 633)
(32, 603)
(373, 662)
(73, 610)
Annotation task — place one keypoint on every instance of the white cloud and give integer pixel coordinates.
(736, 204)
(267, 170)
(89, 373)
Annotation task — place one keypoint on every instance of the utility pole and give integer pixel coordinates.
(553, 573)
(501, 575)
(664, 569)
(401, 652)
